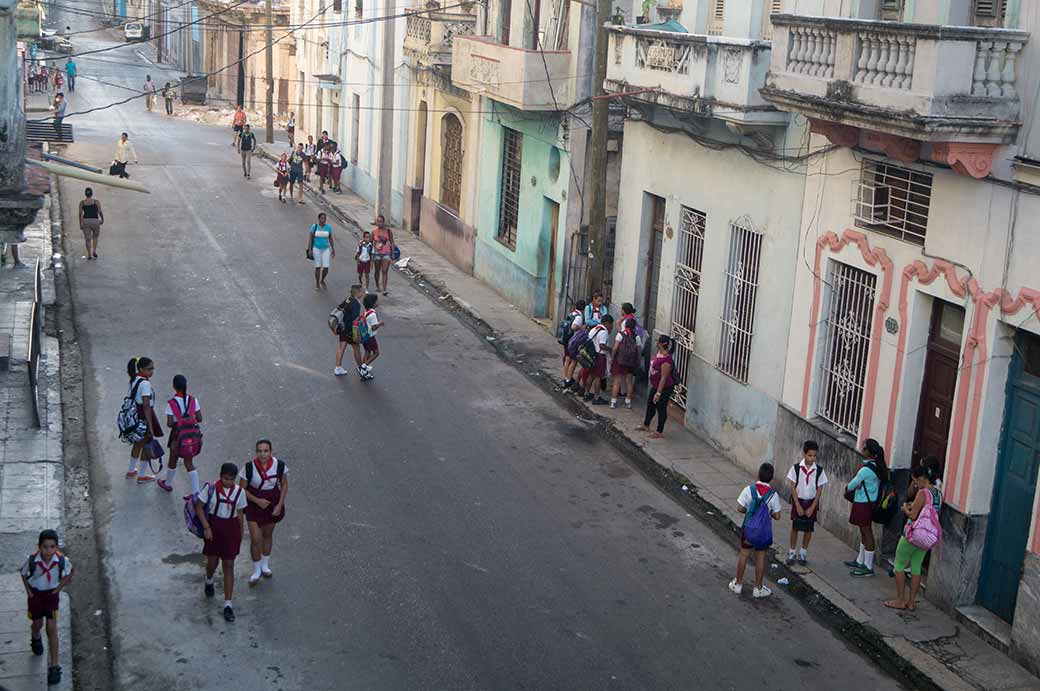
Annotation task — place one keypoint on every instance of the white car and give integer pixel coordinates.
(134, 31)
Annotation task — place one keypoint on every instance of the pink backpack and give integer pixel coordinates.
(186, 429)
(925, 533)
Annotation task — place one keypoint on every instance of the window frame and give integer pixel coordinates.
(740, 300)
(510, 171)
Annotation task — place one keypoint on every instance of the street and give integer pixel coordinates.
(448, 525)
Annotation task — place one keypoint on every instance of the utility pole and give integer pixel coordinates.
(269, 59)
(386, 123)
(598, 159)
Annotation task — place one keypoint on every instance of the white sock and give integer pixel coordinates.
(194, 475)
(613, 401)
(256, 570)
(170, 472)
(790, 554)
(143, 468)
(802, 552)
(133, 465)
(209, 580)
(862, 551)
(265, 565)
(227, 603)
(869, 563)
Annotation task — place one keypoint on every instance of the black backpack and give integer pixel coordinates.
(279, 471)
(886, 503)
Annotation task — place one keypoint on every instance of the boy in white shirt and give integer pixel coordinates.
(593, 376)
(370, 344)
(44, 575)
(746, 504)
(364, 258)
(807, 479)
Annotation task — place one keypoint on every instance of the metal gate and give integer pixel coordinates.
(576, 277)
(685, 296)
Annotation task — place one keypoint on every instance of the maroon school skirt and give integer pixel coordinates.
(227, 538)
(254, 514)
(598, 369)
(617, 370)
(861, 513)
(43, 604)
(323, 169)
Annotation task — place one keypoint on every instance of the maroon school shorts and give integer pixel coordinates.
(364, 267)
(227, 538)
(617, 370)
(371, 346)
(806, 503)
(43, 604)
(861, 514)
(598, 369)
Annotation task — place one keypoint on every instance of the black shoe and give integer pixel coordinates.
(599, 401)
(37, 646)
(229, 614)
(210, 590)
(587, 397)
(53, 676)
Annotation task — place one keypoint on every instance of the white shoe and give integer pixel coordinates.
(254, 579)
(266, 573)
(339, 371)
(628, 403)
(762, 592)
(736, 587)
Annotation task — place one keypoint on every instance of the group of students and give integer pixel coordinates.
(376, 247)
(585, 334)
(872, 501)
(254, 494)
(40, 77)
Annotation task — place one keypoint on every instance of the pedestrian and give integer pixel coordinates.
(662, 384)
(372, 324)
(290, 129)
(347, 331)
(593, 376)
(594, 310)
(13, 246)
(335, 168)
(310, 150)
(183, 417)
(266, 482)
(296, 163)
(124, 150)
(90, 219)
(321, 248)
(219, 509)
(753, 499)
(149, 92)
(629, 312)
(862, 491)
(924, 478)
(807, 479)
(364, 258)
(246, 146)
(45, 574)
(383, 241)
(56, 75)
(281, 176)
(140, 371)
(168, 93)
(572, 323)
(238, 123)
(324, 167)
(624, 361)
(70, 72)
(59, 113)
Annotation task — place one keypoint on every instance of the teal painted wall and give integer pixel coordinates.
(522, 275)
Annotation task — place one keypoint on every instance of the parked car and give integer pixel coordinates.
(133, 31)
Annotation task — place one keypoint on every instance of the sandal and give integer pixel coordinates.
(894, 604)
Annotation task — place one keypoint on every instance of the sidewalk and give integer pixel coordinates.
(929, 643)
(32, 477)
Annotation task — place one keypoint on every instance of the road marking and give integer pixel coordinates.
(142, 56)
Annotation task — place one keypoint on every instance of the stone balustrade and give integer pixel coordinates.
(519, 77)
(429, 38)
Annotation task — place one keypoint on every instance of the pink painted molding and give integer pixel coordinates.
(975, 160)
(894, 146)
(873, 257)
(842, 135)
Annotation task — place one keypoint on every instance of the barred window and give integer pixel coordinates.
(738, 311)
(451, 161)
(893, 200)
(847, 346)
(509, 204)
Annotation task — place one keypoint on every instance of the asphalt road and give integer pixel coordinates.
(448, 525)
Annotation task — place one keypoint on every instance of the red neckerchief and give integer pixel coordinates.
(808, 471)
(47, 569)
(262, 471)
(226, 497)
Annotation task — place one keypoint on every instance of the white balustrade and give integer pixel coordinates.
(994, 73)
(885, 59)
(811, 51)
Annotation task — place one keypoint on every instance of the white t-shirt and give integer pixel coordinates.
(578, 321)
(39, 580)
(371, 319)
(807, 479)
(222, 509)
(621, 335)
(183, 406)
(143, 389)
(258, 481)
(600, 337)
(745, 498)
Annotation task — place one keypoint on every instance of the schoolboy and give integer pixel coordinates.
(748, 504)
(219, 508)
(351, 311)
(577, 319)
(364, 258)
(44, 574)
(371, 345)
(807, 479)
(593, 376)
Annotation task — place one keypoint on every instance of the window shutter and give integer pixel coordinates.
(720, 10)
(990, 12)
(776, 6)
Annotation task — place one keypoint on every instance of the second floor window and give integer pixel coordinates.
(893, 200)
(509, 192)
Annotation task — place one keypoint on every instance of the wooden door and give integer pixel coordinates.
(653, 262)
(940, 380)
(553, 210)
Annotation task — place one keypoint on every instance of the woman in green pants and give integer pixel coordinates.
(925, 477)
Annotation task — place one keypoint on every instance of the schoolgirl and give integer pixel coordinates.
(309, 151)
(335, 168)
(863, 491)
(265, 482)
(324, 167)
(219, 508)
(140, 371)
(182, 411)
(281, 176)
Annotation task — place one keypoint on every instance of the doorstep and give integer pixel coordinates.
(986, 625)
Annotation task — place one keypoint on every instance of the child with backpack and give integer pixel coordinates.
(343, 323)
(923, 531)
(137, 422)
(266, 483)
(368, 340)
(806, 478)
(760, 505)
(45, 573)
(863, 491)
(183, 417)
(219, 509)
(571, 324)
(364, 258)
(624, 361)
(594, 360)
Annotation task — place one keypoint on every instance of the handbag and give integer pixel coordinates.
(803, 524)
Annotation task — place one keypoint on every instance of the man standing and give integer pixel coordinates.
(70, 70)
(59, 113)
(124, 150)
(296, 160)
(238, 122)
(246, 145)
(149, 92)
(168, 94)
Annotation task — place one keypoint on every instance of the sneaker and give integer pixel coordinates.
(142, 479)
(862, 571)
(628, 403)
(587, 397)
(253, 580)
(613, 405)
(267, 573)
(852, 564)
(229, 614)
(736, 587)
(37, 646)
(339, 371)
(803, 561)
(761, 592)
(162, 484)
(131, 473)
(210, 590)
(53, 676)
(790, 560)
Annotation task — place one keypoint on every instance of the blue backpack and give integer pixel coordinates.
(577, 341)
(758, 523)
(563, 333)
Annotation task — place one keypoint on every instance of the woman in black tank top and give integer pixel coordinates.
(90, 219)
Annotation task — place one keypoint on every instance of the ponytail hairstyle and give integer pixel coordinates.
(180, 384)
(876, 453)
(931, 469)
(136, 364)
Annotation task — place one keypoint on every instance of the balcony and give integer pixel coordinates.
(514, 76)
(707, 75)
(946, 92)
(429, 36)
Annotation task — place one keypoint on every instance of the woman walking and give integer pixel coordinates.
(183, 417)
(310, 150)
(90, 219)
(290, 129)
(321, 249)
(281, 176)
(862, 491)
(662, 383)
(140, 371)
(383, 241)
(265, 481)
(924, 479)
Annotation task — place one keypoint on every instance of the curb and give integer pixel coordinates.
(898, 655)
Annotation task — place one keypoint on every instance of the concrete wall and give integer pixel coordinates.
(448, 234)
(1025, 633)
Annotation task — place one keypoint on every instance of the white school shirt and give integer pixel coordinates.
(144, 389)
(258, 482)
(221, 509)
(183, 404)
(745, 499)
(39, 580)
(600, 338)
(806, 480)
(371, 319)
(578, 321)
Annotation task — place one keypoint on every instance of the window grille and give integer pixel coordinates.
(715, 19)
(844, 364)
(451, 161)
(509, 204)
(686, 295)
(738, 312)
(893, 200)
